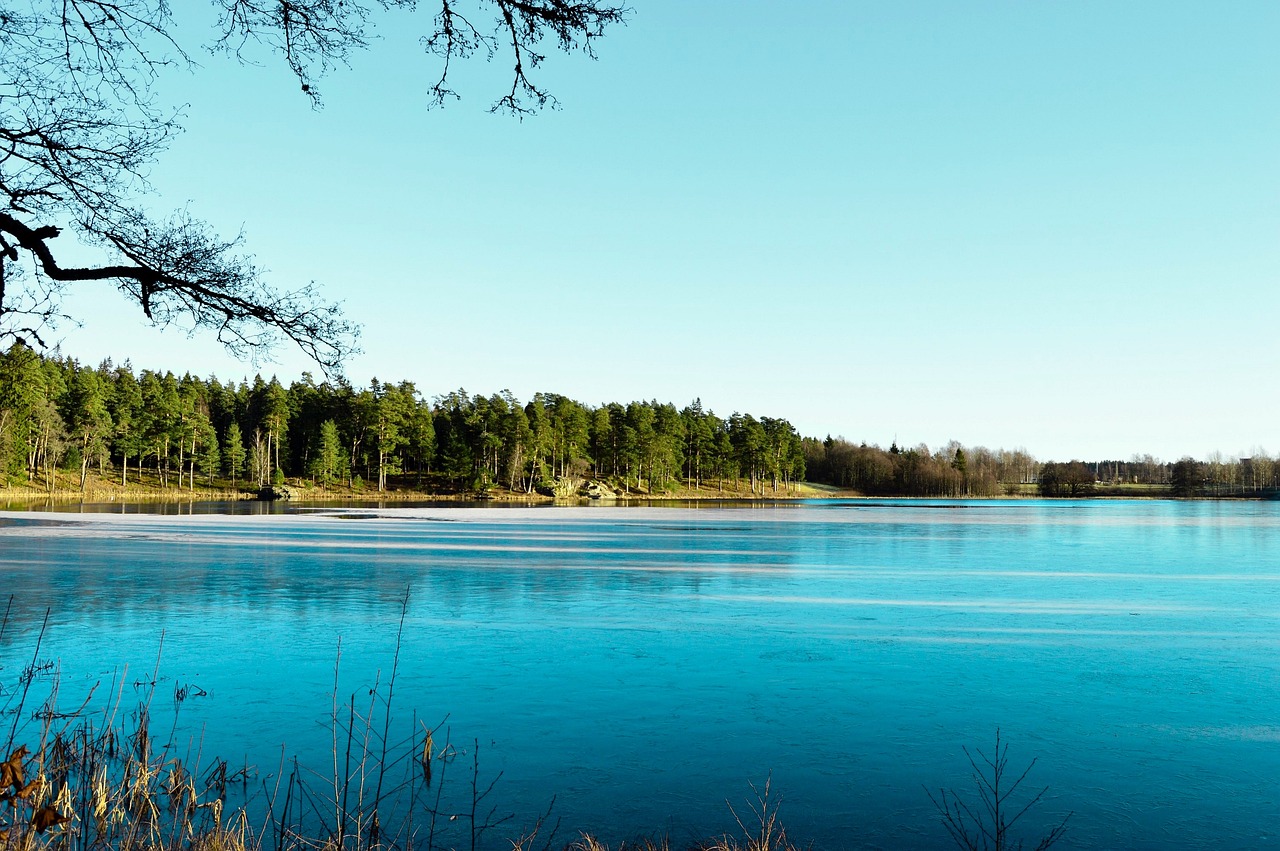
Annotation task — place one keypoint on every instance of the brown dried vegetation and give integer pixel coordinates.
(97, 778)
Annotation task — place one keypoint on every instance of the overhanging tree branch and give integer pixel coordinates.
(180, 271)
(80, 124)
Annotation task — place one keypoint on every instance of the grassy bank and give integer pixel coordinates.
(146, 486)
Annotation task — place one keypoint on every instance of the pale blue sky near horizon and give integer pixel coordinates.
(1044, 225)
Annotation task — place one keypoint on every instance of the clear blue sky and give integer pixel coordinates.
(1050, 225)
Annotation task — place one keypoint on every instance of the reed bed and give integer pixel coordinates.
(107, 775)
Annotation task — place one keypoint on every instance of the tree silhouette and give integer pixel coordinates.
(1072, 479)
(80, 122)
(1187, 478)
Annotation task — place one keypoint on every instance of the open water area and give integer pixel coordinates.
(644, 665)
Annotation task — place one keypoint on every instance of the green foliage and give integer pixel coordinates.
(328, 463)
(85, 414)
(70, 460)
(233, 452)
(54, 411)
(391, 419)
(21, 394)
(209, 459)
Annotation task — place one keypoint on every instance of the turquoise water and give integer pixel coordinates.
(643, 665)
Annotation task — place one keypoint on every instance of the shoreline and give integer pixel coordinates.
(101, 491)
(15, 500)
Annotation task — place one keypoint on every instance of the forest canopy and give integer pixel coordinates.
(57, 414)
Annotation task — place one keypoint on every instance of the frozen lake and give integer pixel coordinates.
(644, 664)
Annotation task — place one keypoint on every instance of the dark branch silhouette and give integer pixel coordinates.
(80, 123)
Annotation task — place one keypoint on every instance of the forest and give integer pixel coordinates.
(58, 416)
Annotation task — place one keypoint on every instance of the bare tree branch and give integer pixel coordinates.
(80, 125)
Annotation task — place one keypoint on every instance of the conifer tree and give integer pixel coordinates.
(327, 460)
(86, 416)
(233, 452)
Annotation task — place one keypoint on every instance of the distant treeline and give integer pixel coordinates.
(951, 471)
(57, 414)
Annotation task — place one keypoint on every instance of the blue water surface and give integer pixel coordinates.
(644, 665)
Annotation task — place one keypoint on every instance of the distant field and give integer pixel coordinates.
(1132, 490)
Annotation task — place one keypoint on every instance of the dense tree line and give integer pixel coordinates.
(1215, 476)
(57, 414)
(952, 471)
